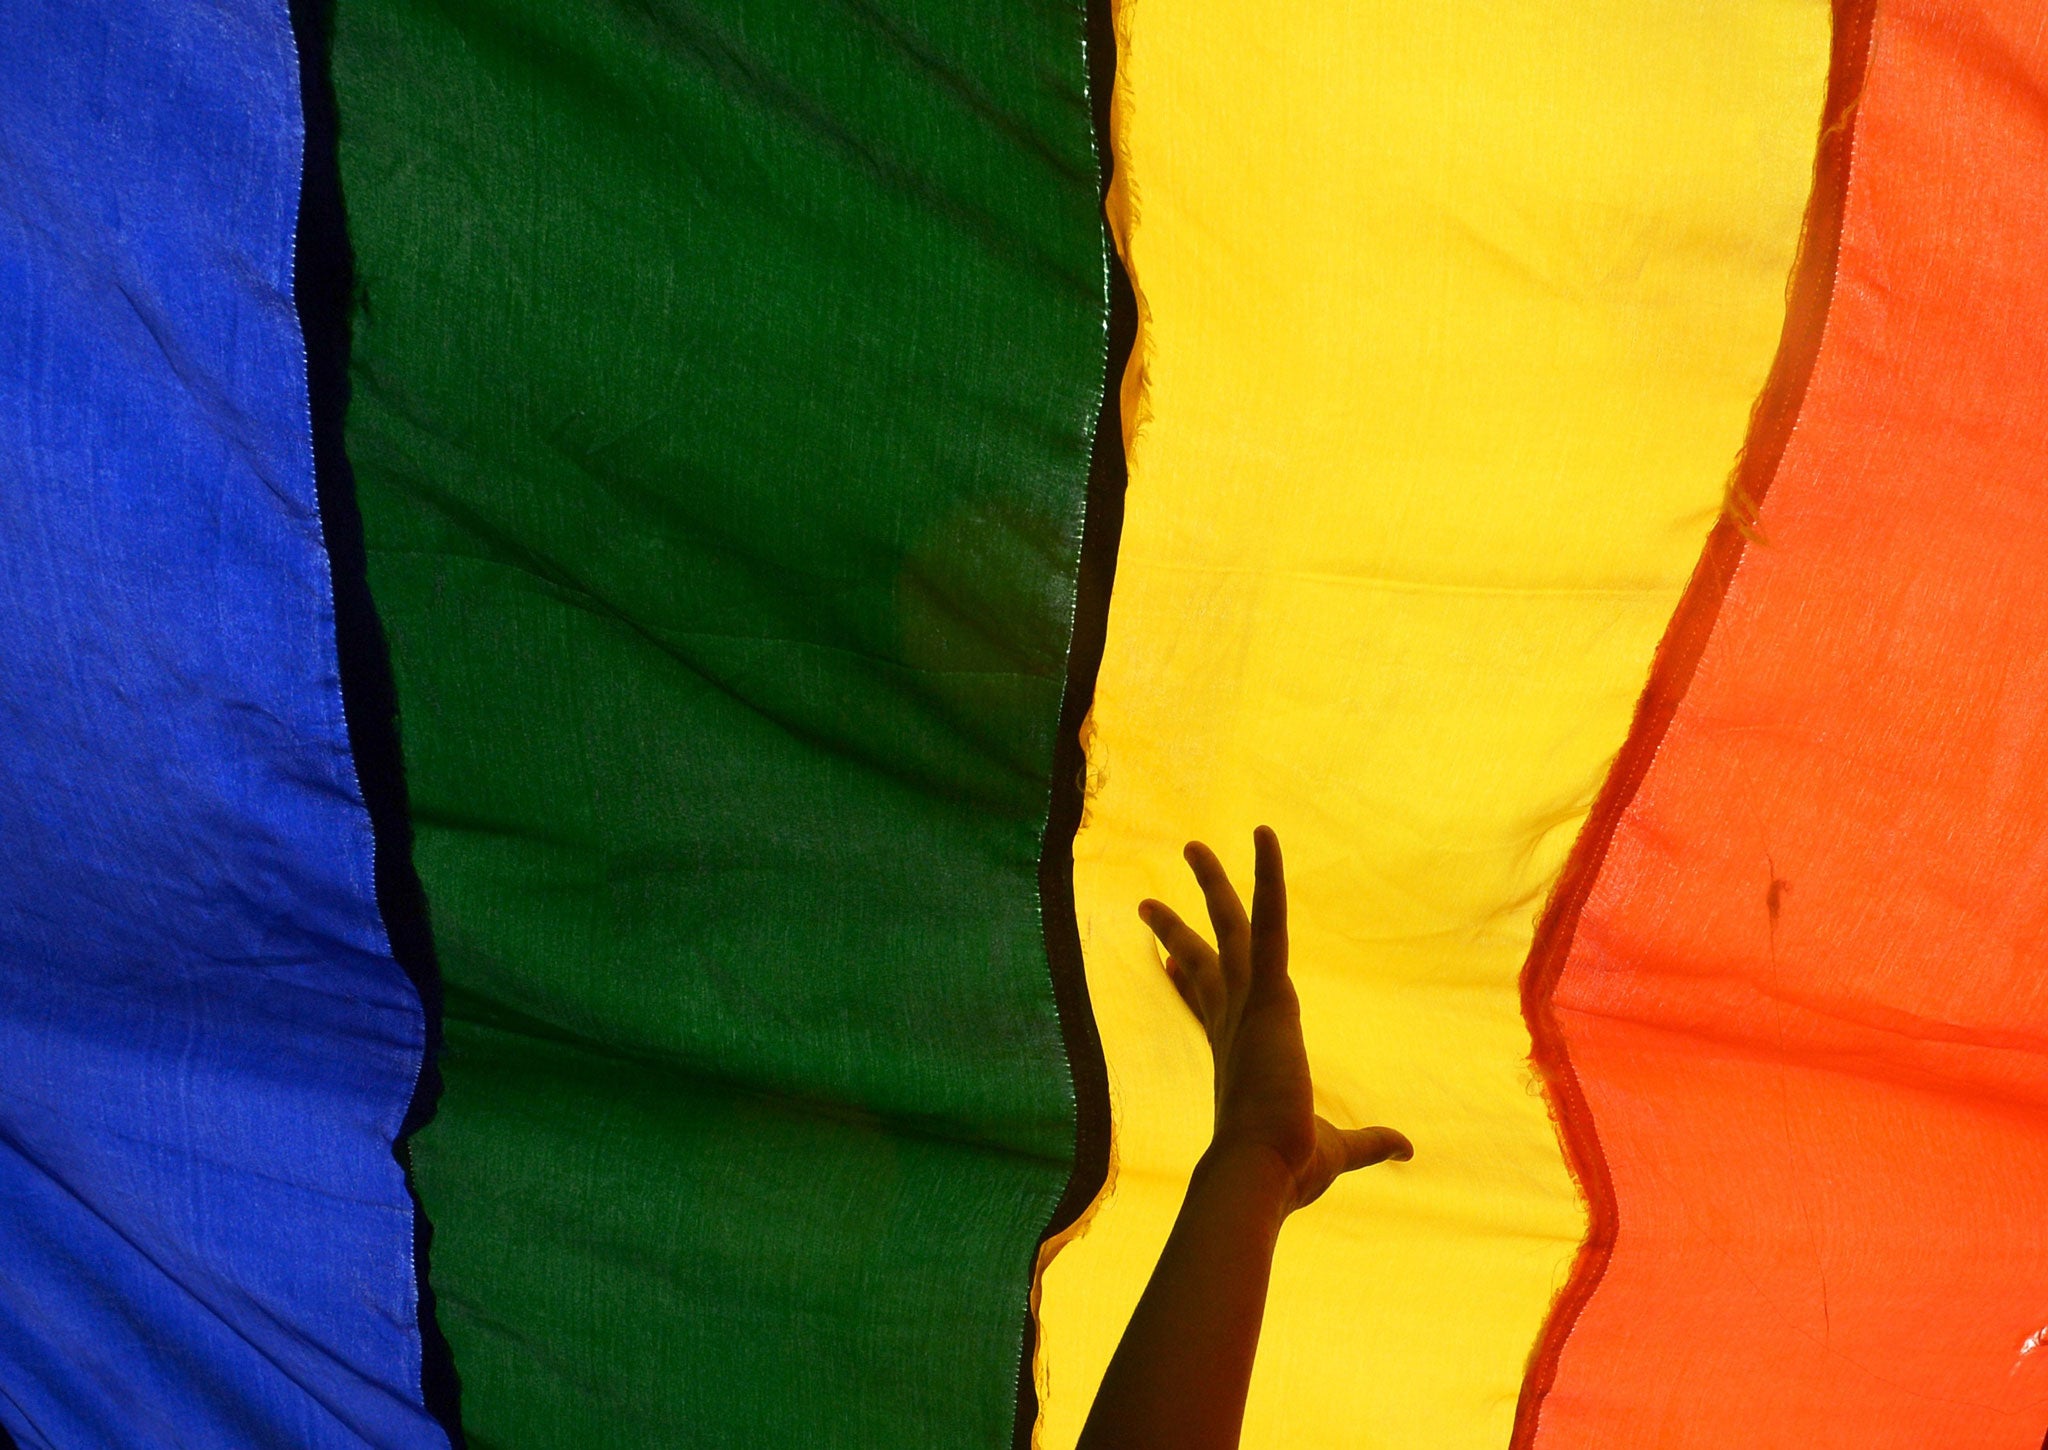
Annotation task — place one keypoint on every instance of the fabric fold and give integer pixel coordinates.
(1451, 318)
(205, 1237)
(1803, 999)
(725, 381)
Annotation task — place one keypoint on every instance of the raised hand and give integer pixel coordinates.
(1240, 992)
(1179, 1377)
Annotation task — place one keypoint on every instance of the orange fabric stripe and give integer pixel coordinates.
(1803, 997)
(1678, 656)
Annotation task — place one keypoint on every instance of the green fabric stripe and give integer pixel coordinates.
(724, 381)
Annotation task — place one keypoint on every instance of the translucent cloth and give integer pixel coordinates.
(1804, 1000)
(1451, 320)
(206, 1048)
(726, 375)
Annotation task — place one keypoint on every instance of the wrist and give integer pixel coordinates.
(1249, 1170)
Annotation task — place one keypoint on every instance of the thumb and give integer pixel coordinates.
(1363, 1147)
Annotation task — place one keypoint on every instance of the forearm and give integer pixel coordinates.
(1180, 1374)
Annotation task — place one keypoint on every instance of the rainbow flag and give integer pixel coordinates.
(608, 608)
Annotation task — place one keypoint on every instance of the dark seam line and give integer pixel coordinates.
(323, 286)
(1678, 655)
(1102, 529)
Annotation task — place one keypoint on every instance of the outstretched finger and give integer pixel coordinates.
(1363, 1147)
(1226, 911)
(1269, 906)
(1190, 961)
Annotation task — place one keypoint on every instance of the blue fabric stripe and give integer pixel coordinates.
(206, 1048)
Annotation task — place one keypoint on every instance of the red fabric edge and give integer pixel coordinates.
(1772, 418)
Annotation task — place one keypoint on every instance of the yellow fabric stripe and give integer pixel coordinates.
(1452, 314)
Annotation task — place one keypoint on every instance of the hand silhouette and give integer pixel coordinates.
(1240, 992)
(1180, 1374)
